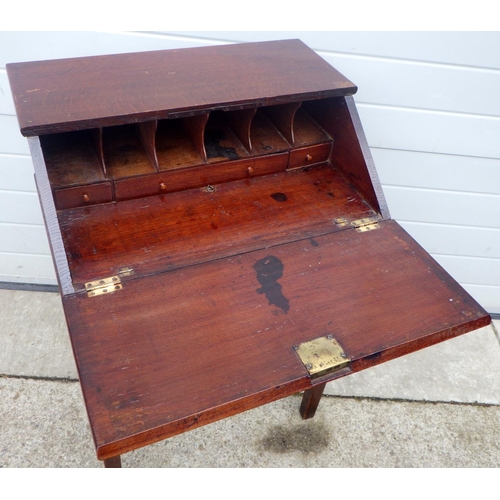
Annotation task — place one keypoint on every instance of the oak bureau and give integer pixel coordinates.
(220, 235)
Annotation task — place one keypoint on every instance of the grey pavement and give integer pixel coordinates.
(439, 407)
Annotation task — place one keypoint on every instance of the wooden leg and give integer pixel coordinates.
(310, 401)
(113, 462)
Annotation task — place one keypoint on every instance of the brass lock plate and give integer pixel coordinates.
(322, 355)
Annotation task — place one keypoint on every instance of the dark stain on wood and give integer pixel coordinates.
(214, 149)
(314, 243)
(280, 197)
(269, 270)
(374, 356)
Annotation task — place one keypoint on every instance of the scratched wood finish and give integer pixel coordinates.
(125, 88)
(225, 329)
(160, 233)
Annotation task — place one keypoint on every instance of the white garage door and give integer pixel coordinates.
(430, 106)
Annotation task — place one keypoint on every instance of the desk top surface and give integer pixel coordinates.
(88, 92)
(180, 349)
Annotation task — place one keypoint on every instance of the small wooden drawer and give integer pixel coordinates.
(82, 196)
(144, 185)
(311, 155)
(168, 181)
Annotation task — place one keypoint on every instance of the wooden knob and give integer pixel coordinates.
(86, 197)
(163, 186)
(250, 170)
(309, 157)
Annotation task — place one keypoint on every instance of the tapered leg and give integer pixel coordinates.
(310, 401)
(113, 462)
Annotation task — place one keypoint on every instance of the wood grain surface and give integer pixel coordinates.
(164, 232)
(231, 259)
(350, 154)
(111, 90)
(183, 348)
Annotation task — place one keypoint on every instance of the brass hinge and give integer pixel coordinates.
(361, 225)
(322, 356)
(341, 221)
(107, 285)
(367, 224)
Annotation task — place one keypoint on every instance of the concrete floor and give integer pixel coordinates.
(439, 407)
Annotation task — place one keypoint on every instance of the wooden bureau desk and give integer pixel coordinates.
(220, 235)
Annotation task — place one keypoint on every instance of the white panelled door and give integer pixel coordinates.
(429, 103)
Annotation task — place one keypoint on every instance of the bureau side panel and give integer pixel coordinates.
(350, 153)
(50, 217)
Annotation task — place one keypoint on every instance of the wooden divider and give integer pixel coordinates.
(240, 121)
(162, 156)
(147, 134)
(282, 116)
(195, 126)
(96, 134)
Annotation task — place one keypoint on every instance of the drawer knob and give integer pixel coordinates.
(250, 170)
(163, 186)
(86, 198)
(309, 157)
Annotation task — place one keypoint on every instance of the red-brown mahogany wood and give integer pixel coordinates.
(113, 462)
(310, 401)
(176, 350)
(227, 259)
(161, 233)
(122, 88)
(350, 152)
